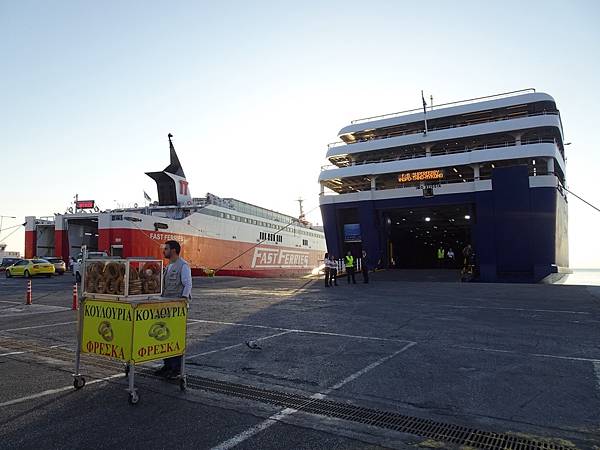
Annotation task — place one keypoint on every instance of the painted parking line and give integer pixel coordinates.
(555, 311)
(30, 310)
(272, 420)
(535, 355)
(12, 353)
(55, 391)
(296, 330)
(40, 326)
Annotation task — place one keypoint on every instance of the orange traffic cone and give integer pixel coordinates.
(28, 295)
(75, 306)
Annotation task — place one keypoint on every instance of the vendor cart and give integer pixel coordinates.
(123, 317)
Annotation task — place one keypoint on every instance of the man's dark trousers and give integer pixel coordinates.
(351, 273)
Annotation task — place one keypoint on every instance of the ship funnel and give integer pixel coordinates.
(171, 183)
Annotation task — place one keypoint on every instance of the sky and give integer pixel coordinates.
(254, 91)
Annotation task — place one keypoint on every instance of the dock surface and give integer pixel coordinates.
(331, 366)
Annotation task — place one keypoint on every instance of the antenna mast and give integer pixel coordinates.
(301, 218)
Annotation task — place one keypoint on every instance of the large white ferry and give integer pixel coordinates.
(409, 187)
(224, 236)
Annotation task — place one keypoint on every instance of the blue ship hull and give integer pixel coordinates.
(519, 233)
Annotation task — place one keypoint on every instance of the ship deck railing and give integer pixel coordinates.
(447, 127)
(465, 149)
(456, 103)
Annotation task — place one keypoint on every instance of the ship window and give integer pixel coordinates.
(305, 242)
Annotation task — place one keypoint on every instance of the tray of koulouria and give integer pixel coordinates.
(130, 278)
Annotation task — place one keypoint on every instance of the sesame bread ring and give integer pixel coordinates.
(150, 286)
(151, 268)
(112, 271)
(120, 286)
(94, 269)
(133, 274)
(112, 286)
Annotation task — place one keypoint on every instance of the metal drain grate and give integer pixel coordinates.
(438, 431)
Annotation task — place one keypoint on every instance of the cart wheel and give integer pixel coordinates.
(183, 384)
(78, 382)
(134, 398)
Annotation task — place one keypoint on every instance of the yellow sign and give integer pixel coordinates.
(159, 330)
(134, 332)
(107, 329)
(423, 175)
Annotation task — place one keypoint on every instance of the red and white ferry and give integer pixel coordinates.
(223, 236)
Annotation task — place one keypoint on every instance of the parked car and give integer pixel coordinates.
(59, 265)
(29, 268)
(5, 262)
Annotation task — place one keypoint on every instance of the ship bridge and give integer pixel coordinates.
(487, 171)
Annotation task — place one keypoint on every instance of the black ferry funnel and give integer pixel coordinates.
(171, 183)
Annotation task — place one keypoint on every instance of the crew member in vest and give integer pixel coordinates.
(440, 256)
(177, 283)
(349, 263)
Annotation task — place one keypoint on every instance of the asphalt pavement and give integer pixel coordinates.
(516, 359)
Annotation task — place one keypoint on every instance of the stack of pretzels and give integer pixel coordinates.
(150, 276)
(109, 278)
(101, 278)
(135, 284)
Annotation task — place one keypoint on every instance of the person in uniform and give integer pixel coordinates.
(332, 270)
(177, 283)
(440, 257)
(349, 262)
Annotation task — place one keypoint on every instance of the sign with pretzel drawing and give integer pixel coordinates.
(135, 332)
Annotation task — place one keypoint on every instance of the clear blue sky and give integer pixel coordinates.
(253, 91)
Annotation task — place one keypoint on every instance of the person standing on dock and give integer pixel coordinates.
(364, 268)
(332, 271)
(177, 283)
(327, 270)
(450, 256)
(349, 263)
(440, 256)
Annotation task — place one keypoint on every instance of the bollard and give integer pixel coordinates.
(75, 306)
(28, 295)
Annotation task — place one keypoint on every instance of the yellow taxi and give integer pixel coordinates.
(29, 268)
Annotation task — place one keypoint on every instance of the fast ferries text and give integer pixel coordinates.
(274, 257)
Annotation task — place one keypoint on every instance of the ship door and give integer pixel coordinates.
(116, 250)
